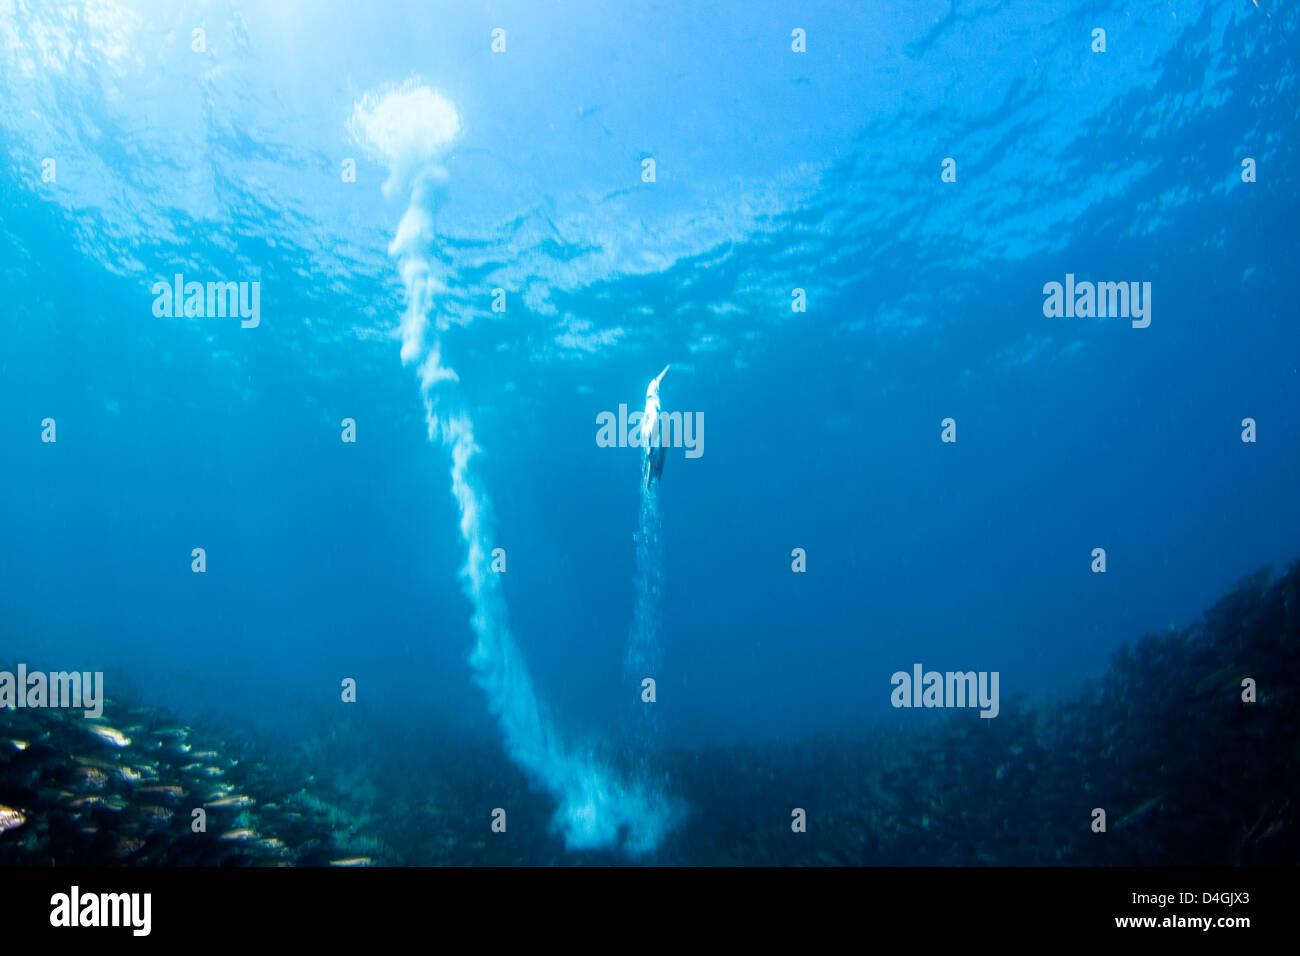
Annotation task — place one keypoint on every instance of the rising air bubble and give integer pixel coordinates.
(410, 128)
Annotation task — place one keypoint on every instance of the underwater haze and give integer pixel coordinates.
(330, 330)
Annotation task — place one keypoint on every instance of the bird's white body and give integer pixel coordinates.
(649, 434)
(651, 437)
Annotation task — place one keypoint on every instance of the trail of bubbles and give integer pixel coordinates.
(643, 650)
(410, 128)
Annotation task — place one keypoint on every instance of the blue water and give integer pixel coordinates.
(522, 170)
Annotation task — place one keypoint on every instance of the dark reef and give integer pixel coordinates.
(1187, 772)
